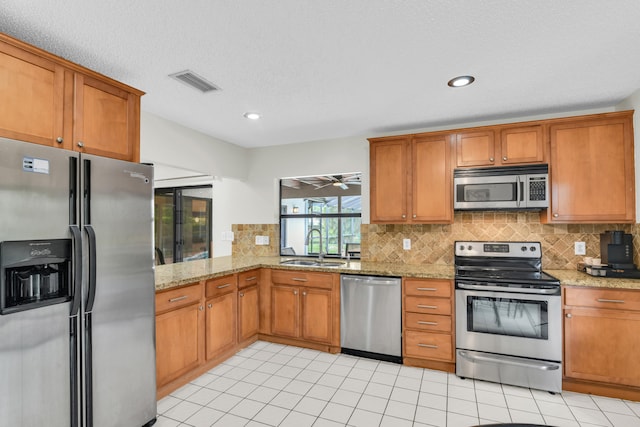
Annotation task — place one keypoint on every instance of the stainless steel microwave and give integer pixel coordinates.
(514, 187)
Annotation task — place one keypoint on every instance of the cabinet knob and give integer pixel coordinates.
(80, 144)
(504, 158)
(295, 292)
(304, 294)
(209, 305)
(201, 308)
(59, 140)
(491, 159)
(569, 315)
(414, 215)
(403, 216)
(555, 215)
(241, 294)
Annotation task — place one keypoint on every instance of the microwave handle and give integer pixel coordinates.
(518, 191)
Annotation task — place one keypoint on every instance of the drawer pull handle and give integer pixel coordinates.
(427, 345)
(615, 301)
(226, 285)
(422, 322)
(248, 279)
(426, 289)
(297, 279)
(433, 307)
(176, 299)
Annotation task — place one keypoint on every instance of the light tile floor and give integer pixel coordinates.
(270, 384)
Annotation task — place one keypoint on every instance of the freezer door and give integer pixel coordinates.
(119, 311)
(35, 354)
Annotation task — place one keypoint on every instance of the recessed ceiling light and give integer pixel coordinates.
(461, 81)
(252, 116)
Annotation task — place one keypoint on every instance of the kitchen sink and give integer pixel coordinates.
(311, 263)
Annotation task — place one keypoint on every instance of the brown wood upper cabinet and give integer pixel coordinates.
(411, 179)
(50, 101)
(592, 178)
(516, 145)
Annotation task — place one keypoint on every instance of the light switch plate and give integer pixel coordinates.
(580, 248)
(406, 244)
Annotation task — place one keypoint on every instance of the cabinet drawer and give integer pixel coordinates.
(428, 346)
(603, 298)
(302, 278)
(248, 278)
(177, 298)
(428, 305)
(221, 285)
(432, 288)
(428, 322)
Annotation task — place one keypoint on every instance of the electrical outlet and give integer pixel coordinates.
(580, 248)
(406, 244)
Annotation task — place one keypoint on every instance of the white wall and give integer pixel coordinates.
(633, 103)
(245, 187)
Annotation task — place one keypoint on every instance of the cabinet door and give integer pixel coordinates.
(389, 177)
(106, 120)
(285, 311)
(592, 171)
(316, 315)
(179, 342)
(475, 149)
(32, 94)
(521, 145)
(221, 324)
(431, 179)
(602, 345)
(248, 316)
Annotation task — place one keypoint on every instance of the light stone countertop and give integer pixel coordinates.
(174, 275)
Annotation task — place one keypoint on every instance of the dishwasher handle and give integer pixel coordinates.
(371, 280)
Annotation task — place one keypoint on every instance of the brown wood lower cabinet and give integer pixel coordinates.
(248, 315)
(179, 333)
(428, 323)
(305, 306)
(601, 342)
(221, 324)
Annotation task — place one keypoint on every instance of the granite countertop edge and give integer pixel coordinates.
(171, 276)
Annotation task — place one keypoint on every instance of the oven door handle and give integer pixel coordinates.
(489, 287)
(505, 360)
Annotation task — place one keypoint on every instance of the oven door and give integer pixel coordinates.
(509, 323)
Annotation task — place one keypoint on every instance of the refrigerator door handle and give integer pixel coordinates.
(91, 291)
(87, 192)
(77, 269)
(73, 190)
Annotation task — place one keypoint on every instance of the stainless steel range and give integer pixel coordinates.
(508, 315)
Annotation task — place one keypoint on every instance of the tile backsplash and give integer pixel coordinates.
(433, 244)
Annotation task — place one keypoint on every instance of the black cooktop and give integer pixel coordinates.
(508, 276)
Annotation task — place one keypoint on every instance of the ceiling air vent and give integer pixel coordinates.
(190, 78)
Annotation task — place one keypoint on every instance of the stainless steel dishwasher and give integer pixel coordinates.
(371, 317)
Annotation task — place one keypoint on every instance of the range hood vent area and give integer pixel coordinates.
(190, 78)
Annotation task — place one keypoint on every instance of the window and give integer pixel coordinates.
(321, 214)
(182, 224)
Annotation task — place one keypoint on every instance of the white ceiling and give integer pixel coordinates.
(322, 69)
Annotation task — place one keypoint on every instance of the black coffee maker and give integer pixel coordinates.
(616, 250)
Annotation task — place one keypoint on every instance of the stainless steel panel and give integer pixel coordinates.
(35, 205)
(550, 349)
(123, 316)
(370, 314)
(34, 368)
(510, 370)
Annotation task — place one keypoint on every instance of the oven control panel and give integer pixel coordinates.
(499, 249)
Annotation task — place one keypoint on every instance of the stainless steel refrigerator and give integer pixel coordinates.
(77, 325)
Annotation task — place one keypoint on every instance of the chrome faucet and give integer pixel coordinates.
(306, 242)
